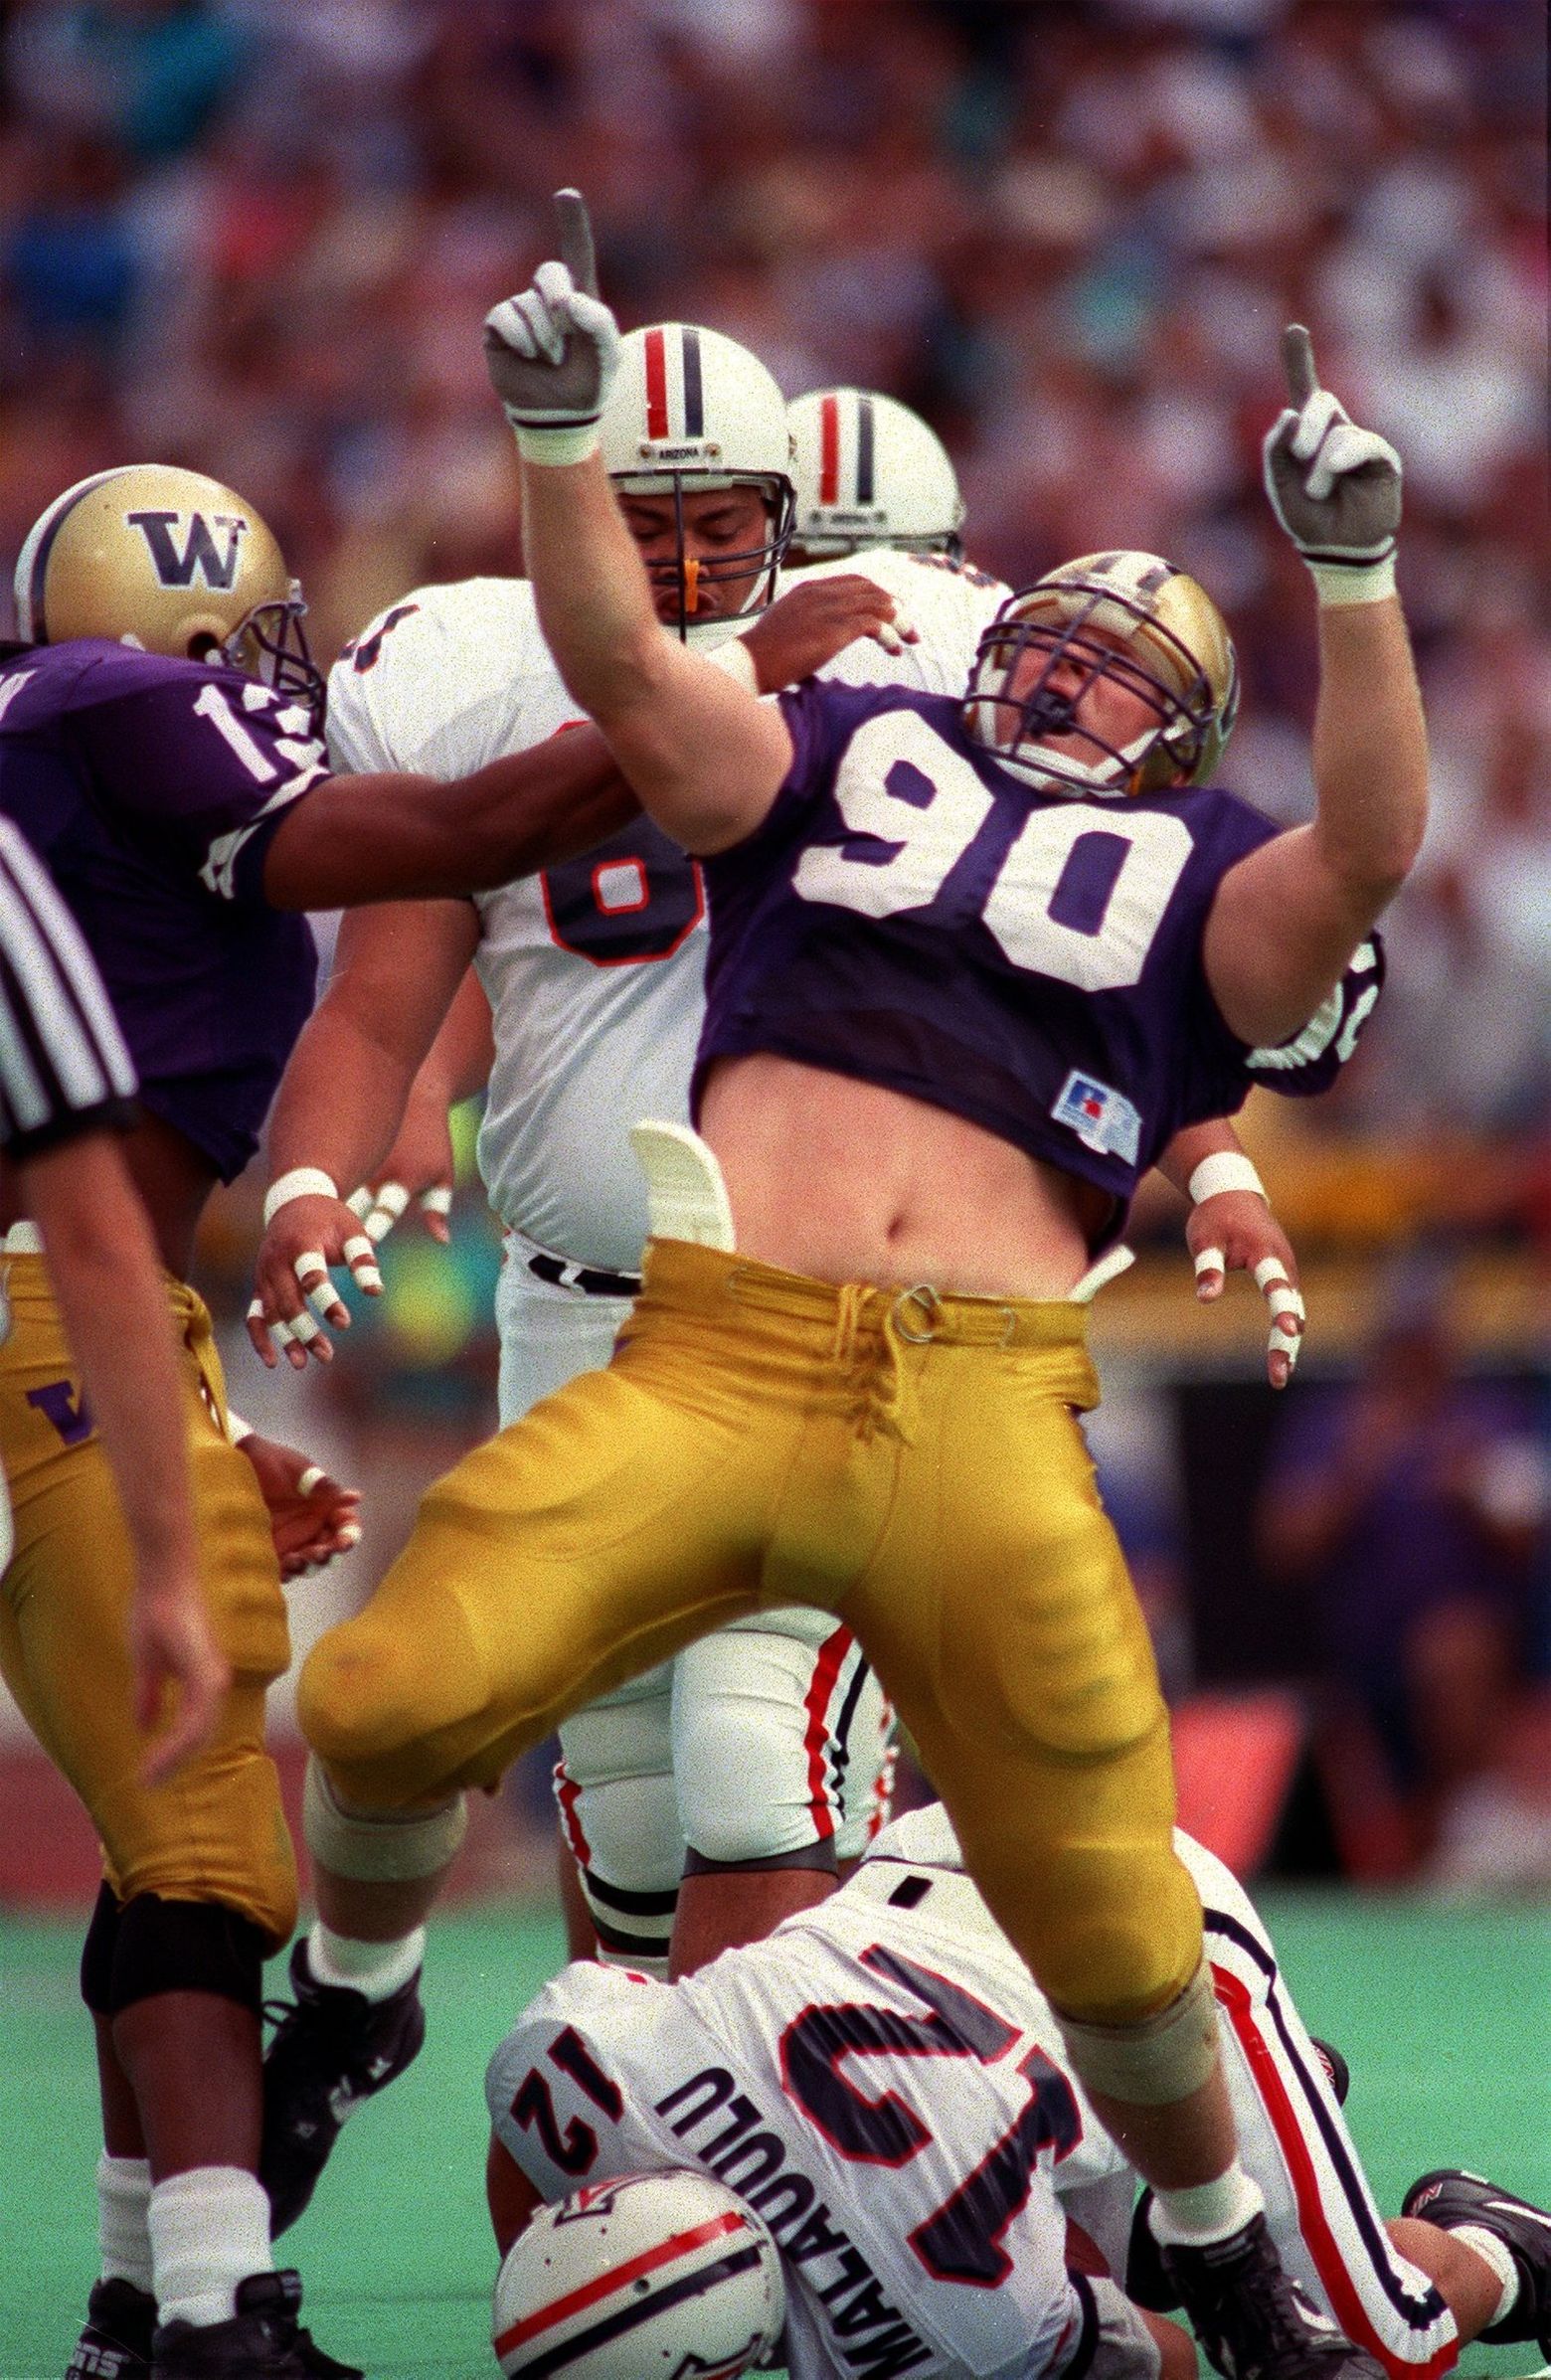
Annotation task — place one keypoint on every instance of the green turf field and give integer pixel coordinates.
(1443, 2014)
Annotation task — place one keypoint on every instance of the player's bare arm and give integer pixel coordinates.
(1287, 918)
(397, 970)
(703, 754)
(353, 840)
(420, 1164)
(108, 1280)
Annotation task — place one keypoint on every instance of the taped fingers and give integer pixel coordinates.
(360, 1254)
(1288, 1310)
(388, 1203)
(311, 1271)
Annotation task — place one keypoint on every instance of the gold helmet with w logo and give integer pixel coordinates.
(169, 562)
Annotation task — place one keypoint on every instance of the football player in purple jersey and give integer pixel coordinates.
(973, 961)
(160, 748)
(66, 1093)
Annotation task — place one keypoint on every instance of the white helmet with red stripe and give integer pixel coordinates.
(654, 2273)
(690, 412)
(870, 473)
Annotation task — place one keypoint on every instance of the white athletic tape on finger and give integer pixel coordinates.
(392, 1198)
(304, 1330)
(310, 1478)
(349, 1537)
(1284, 1342)
(255, 1310)
(360, 1252)
(361, 1202)
(281, 1333)
(1211, 1260)
(1270, 1275)
(436, 1201)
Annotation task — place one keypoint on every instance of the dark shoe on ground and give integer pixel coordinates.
(264, 2340)
(1252, 2320)
(1145, 2279)
(1449, 2196)
(332, 2049)
(117, 2341)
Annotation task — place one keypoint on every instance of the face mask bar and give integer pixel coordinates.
(682, 572)
(274, 631)
(1044, 711)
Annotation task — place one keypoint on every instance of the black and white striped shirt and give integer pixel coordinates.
(63, 1066)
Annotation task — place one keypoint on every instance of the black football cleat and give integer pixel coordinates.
(264, 2340)
(332, 2048)
(1450, 2197)
(117, 2341)
(1250, 2318)
(1145, 2279)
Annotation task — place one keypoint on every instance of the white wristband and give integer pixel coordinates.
(1228, 1169)
(236, 1428)
(572, 442)
(1338, 582)
(302, 1181)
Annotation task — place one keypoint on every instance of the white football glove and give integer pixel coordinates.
(1334, 488)
(553, 349)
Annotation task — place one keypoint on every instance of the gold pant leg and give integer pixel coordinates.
(216, 1830)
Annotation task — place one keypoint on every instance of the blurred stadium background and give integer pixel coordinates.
(257, 237)
(258, 241)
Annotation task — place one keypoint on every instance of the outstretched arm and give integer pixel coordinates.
(1287, 918)
(351, 840)
(705, 755)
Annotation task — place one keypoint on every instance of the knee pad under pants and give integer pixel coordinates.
(769, 1739)
(151, 1946)
(215, 1831)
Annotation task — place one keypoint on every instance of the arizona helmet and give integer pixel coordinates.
(169, 562)
(664, 2274)
(1132, 619)
(690, 412)
(870, 473)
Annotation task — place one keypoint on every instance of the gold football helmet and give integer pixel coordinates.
(168, 561)
(1129, 617)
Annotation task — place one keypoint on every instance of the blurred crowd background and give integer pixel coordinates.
(257, 237)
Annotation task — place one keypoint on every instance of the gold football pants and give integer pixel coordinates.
(216, 1830)
(910, 1462)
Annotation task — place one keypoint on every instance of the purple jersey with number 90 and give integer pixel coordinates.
(152, 788)
(910, 913)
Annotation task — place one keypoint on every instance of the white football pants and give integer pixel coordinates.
(770, 1739)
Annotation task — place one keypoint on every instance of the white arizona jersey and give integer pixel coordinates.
(595, 969)
(951, 604)
(865, 2077)
(884, 2083)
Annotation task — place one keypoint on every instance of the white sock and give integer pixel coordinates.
(1500, 2256)
(123, 2187)
(376, 1968)
(210, 2229)
(1213, 2210)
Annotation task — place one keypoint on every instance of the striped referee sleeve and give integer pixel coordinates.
(63, 1066)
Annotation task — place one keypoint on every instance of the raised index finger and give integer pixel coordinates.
(1298, 361)
(576, 239)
